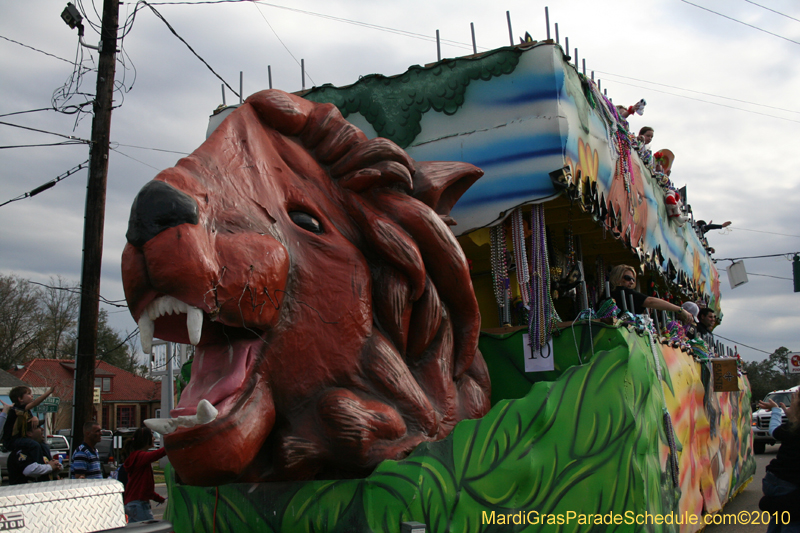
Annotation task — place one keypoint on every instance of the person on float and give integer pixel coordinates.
(706, 322)
(140, 488)
(623, 281)
(646, 135)
(783, 472)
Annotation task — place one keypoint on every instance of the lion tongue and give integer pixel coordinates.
(218, 374)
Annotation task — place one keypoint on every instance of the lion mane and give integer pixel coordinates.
(340, 327)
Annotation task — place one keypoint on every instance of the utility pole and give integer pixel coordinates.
(85, 358)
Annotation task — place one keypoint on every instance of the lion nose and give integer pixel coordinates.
(157, 207)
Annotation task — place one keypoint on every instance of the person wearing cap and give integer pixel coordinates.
(623, 279)
(31, 461)
(691, 327)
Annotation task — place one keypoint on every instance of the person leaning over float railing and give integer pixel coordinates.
(623, 281)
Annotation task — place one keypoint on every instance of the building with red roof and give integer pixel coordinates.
(126, 400)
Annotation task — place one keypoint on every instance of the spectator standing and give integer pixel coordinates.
(140, 488)
(31, 460)
(85, 463)
(783, 472)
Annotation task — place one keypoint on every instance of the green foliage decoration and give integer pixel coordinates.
(587, 442)
(440, 87)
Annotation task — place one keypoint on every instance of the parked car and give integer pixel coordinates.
(106, 452)
(761, 436)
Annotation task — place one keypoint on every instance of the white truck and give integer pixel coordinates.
(761, 436)
(69, 506)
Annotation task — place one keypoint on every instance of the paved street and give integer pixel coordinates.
(158, 510)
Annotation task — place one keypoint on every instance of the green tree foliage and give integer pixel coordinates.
(770, 374)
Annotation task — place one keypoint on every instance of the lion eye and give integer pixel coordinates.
(306, 221)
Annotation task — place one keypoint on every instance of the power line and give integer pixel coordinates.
(49, 184)
(131, 157)
(70, 137)
(768, 9)
(767, 232)
(743, 344)
(385, 29)
(740, 22)
(175, 33)
(703, 101)
(787, 254)
(28, 111)
(153, 149)
(753, 274)
(37, 50)
(64, 143)
(698, 92)
(281, 40)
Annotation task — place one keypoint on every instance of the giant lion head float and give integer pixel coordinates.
(330, 304)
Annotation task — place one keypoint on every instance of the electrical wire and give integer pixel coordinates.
(740, 22)
(787, 254)
(70, 137)
(281, 41)
(148, 148)
(386, 29)
(77, 290)
(36, 50)
(28, 111)
(767, 232)
(754, 274)
(133, 158)
(768, 9)
(743, 344)
(49, 184)
(175, 33)
(697, 92)
(703, 101)
(64, 143)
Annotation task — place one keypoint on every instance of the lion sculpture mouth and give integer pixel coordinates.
(330, 306)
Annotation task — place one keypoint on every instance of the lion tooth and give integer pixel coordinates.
(194, 324)
(205, 413)
(152, 310)
(146, 330)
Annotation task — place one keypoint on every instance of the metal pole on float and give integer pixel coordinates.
(474, 46)
(547, 21)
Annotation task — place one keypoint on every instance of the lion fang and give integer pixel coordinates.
(205, 413)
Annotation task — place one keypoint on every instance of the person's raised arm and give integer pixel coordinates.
(663, 305)
(40, 399)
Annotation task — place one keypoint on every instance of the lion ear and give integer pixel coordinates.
(439, 184)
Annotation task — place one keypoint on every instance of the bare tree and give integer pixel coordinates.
(18, 326)
(58, 314)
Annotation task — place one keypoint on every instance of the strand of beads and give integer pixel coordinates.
(521, 255)
(543, 317)
(497, 237)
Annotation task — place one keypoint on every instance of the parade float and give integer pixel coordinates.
(392, 312)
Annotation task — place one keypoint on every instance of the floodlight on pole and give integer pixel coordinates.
(73, 18)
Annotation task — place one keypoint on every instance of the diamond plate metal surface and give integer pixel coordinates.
(70, 505)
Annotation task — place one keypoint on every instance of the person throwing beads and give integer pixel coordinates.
(623, 281)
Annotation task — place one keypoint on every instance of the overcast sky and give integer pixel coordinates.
(721, 94)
